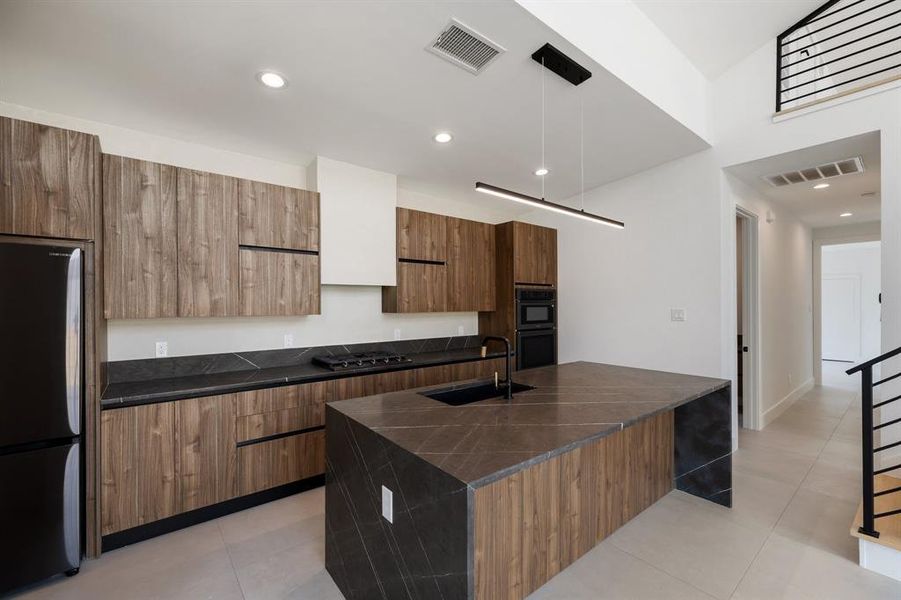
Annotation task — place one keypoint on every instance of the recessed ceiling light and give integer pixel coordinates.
(272, 79)
(443, 137)
(541, 172)
(821, 186)
(846, 215)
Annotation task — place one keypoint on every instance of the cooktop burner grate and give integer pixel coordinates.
(339, 362)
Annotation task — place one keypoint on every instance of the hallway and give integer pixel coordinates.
(796, 490)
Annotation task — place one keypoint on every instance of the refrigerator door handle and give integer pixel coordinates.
(72, 507)
(73, 341)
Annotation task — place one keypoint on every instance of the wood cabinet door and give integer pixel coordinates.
(139, 250)
(421, 287)
(48, 180)
(137, 465)
(534, 254)
(205, 451)
(276, 462)
(278, 283)
(208, 262)
(275, 216)
(421, 235)
(470, 266)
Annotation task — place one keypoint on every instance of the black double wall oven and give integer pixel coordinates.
(536, 327)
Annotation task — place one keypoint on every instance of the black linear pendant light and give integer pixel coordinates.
(552, 59)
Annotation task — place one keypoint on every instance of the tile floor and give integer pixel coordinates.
(796, 491)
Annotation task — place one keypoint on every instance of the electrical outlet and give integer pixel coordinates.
(387, 504)
(162, 349)
(460, 330)
(397, 334)
(289, 340)
(677, 314)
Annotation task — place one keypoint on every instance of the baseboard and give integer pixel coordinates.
(780, 407)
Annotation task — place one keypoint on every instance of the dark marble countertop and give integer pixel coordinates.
(571, 404)
(148, 391)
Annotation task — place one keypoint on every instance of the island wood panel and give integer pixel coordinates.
(48, 180)
(276, 283)
(566, 505)
(278, 217)
(205, 447)
(421, 235)
(470, 265)
(208, 262)
(421, 287)
(277, 462)
(137, 466)
(534, 254)
(140, 251)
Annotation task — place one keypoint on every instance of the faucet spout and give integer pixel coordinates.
(508, 381)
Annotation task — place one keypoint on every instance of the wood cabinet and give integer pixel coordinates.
(139, 226)
(278, 283)
(281, 410)
(421, 235)
(534, 254)
(205, 451)
(208, 261)
(421, 287)
(470, 265)
(49, 179)
(275, 216)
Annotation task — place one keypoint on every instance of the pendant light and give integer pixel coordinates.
(557, 59)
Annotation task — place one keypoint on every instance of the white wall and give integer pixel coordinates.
(861, 260)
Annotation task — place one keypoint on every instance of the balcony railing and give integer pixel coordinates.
(842, 47)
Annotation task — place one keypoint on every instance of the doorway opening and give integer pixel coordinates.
(747, 347)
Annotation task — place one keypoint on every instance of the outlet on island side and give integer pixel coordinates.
(387, 504)
(461, 330)
(162, 349)
(397, 334)
(289, 340)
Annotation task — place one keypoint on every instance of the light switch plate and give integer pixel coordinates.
(162, 349)
(289, 340)
(677, 314)
(387, 504)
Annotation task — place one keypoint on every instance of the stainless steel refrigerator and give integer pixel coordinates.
(41, 394)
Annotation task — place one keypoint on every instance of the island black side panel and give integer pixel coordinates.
(703, 447)
(422, 554)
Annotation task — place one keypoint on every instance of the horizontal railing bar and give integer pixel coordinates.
(839, 72)
(808, 19)
(835, 12)
(835, 35)
(842, 45)
(813, 93)
(887, 446)
(892, 422)
(887, 513)
(840, 21)
(829, 62)
(889, 491)
(884, 402)
(886, 470)
(873, 361)
(895, 376)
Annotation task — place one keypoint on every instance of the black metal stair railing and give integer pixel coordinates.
(841, 46)
(868, 526)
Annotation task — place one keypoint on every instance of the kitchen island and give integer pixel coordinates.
(491, 499)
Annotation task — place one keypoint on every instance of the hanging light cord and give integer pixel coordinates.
(582, 148)
(543, 166)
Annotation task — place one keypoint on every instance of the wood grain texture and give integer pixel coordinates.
(536, 522)
(283, 410)
(470, 265)
(140, 245)
(420, 288)
(205, 446)
(118, 470)
(279, 283)
(278, 216)
(502, 320)
(208, 263)
(280, 398)
(277, 462)
(534, 254)
(47, 180)
(421, 235)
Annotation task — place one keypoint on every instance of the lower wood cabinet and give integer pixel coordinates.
(159, 460)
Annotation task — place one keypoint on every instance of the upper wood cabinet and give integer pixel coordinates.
(208, 261)
(534, 254)
(279, 283)
(470, 265)
(275, 216)
(421, 287)
(49, 179)
(421, 235)
(140, 248)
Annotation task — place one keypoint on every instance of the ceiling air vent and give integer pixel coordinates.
(849, 166)
(465, 47)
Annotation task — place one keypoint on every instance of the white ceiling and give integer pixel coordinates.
(362, 88)
(716, 34)
(821, 208)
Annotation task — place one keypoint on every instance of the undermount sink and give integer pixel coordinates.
(474, 392)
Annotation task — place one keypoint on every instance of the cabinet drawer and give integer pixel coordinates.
(277, 462)
(280, 398)
(252, 427)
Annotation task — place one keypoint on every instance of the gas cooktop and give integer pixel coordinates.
(339, 362)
